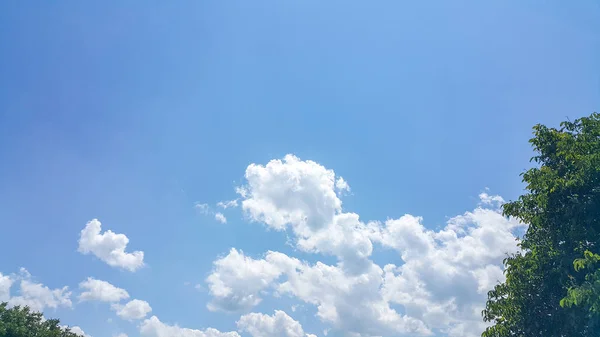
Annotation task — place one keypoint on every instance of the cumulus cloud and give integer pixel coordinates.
(277, 325)
(237, 280)
(97, 290)
(153, 327)
(109, 247)
(447, 274)
(133, 310)
(6, 283)
(220, 217)
(437, 287)
(440, 286)
(350, 302)
(301, 195)
(38, 296)
(291, 192)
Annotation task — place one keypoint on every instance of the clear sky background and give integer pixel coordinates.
(134, 112)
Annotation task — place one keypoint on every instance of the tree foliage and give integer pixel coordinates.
(21, 322)
(552, 285)
(588, 293)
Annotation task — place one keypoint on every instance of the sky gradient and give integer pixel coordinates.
(146, 116)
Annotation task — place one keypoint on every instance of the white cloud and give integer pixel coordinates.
(228, 204)
(349, 302)
(277, 325)
(97, 290)
(220, 217)
(121, 335)
(39, 297)
(490, 199)
(440, 287)
(242, 191)
(153, 327)
(109, 247)
(237, 280)
(133, 310)
(76, 330)
(34, 295)
(302, 195)
(346, 237)
(202, 208)
(6, 283)
(291, 192)
(24, 273)
(205, 209)
(341, 185)
(346, 301)
(446, 274)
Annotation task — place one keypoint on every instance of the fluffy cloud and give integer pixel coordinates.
(302, 195)
(97, 290)
(291, 192)
(277, 325)
(446, 274)
(38, 296)
(153, 327)
(440, 286)
(6, 283)
(133, 310)
(349, 302)
(237, 280)
(220, 217)
(109, 247)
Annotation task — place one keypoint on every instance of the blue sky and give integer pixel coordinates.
(135, 113)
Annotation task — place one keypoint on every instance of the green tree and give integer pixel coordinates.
(551, 287)
(587, 294)
(21, 322)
